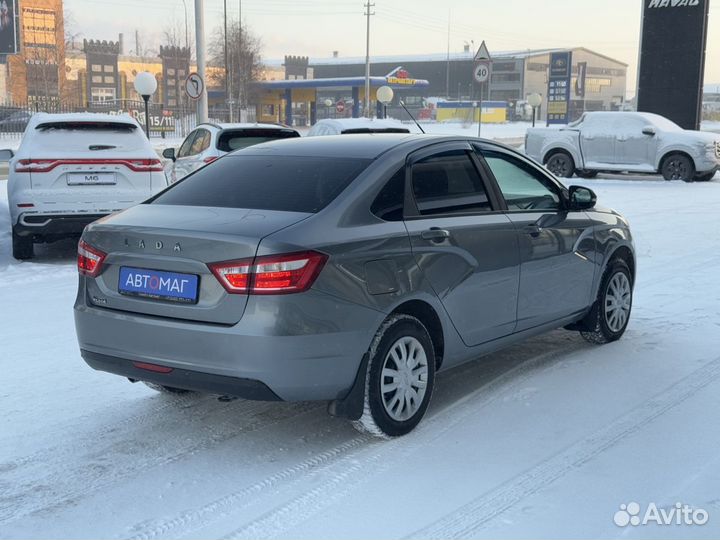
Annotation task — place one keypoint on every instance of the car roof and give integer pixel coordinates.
(246, 125)
(41, 118)
(361, 123)
(364, 146)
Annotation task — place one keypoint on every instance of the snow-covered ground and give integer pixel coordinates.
(545, 439)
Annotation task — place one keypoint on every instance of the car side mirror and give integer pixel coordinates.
(6, 154)
(169, 153)
(649, 130)
(582, 198)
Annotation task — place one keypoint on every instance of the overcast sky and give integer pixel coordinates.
(317, 27)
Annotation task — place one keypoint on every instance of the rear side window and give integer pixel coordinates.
(234, 140)
(448, 183)
(389, 203)
(286, 183)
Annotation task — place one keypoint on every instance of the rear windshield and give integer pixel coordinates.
(89, 136)
(242, 138)
(291, 184)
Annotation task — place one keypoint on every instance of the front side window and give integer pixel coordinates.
(186, 145)
(201, 142)
(285, 183)
(523, 187)
(448, 183)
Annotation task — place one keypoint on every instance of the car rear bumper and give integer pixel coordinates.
(300, 349)
(182, 378)
(53, 225)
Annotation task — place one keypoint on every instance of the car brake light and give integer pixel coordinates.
(270, 274)
(210, 159)
(89, 259)
(47, 165)
(25, 205)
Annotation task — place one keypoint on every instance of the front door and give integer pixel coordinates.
(466, 249)
(557, 246)
(633, 147)
(597, 142)
(189, 158)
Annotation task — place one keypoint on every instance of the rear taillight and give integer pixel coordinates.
(270, 274)
(89, 259)
(47, 165)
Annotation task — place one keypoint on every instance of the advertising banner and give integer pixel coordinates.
(672, 59)
(580, 81)
(8, 27)
(559, 88)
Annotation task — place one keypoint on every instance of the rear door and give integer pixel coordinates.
(466, 248)
(557, 246)
(104, 165)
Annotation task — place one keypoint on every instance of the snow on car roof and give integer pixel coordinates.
(248, 125)
(343, 124)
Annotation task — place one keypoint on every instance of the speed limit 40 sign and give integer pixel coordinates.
(482, 72)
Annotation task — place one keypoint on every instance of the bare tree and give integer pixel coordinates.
(244, 61)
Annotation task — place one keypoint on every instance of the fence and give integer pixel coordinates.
(165, 122)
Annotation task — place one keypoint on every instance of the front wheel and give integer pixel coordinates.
(586, 174)
(400, 378)
(561, 165)
(678, 167)
(610, 315)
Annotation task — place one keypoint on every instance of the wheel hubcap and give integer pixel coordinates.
(558, 166)
(677, 169)
(403, 381)
(618, 301)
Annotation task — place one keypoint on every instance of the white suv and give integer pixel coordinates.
(72, 169)
(208, 142)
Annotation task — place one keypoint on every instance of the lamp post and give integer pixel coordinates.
(385, 95)
(534, 100)
(145, 85)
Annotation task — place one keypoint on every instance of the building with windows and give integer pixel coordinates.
(36, 73)
(514, 76)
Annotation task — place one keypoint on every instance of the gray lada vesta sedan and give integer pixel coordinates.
(348, 269)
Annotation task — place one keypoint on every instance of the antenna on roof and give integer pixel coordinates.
(402, 104)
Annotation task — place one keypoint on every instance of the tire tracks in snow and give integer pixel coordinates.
(465, 521)
(345, 468)
(116, 463)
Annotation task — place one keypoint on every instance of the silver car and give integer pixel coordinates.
(348, 269)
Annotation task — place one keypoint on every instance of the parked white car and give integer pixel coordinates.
(72, 169)
(349, 126)
(208, 142)
(626, 142)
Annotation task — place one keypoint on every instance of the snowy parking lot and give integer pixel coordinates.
(545, 439)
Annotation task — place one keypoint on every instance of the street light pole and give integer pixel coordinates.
(147, 116)
(202, 102)
(145, 85)
(368, 13)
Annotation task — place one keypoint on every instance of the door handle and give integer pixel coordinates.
(533, 230)
(435, 235)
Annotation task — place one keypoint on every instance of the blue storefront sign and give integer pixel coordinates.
(559, 88)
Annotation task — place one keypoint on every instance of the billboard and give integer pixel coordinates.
(672, 59)
(559, 88)
(8, 27)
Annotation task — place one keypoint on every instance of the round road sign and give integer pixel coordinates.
(340, 106)
(482, 72)
(194, 86)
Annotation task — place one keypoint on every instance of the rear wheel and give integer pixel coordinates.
(22, 247)
(678, 167)
(561, 164)
(610, 315)
(167, 389)
(400, 378)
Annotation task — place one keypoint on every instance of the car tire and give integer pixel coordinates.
(586, 174)
(22, 247)
(394, 405)
(167, 389)
(678, 167)
(705, 177)
(610, 314)
(561, 164)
